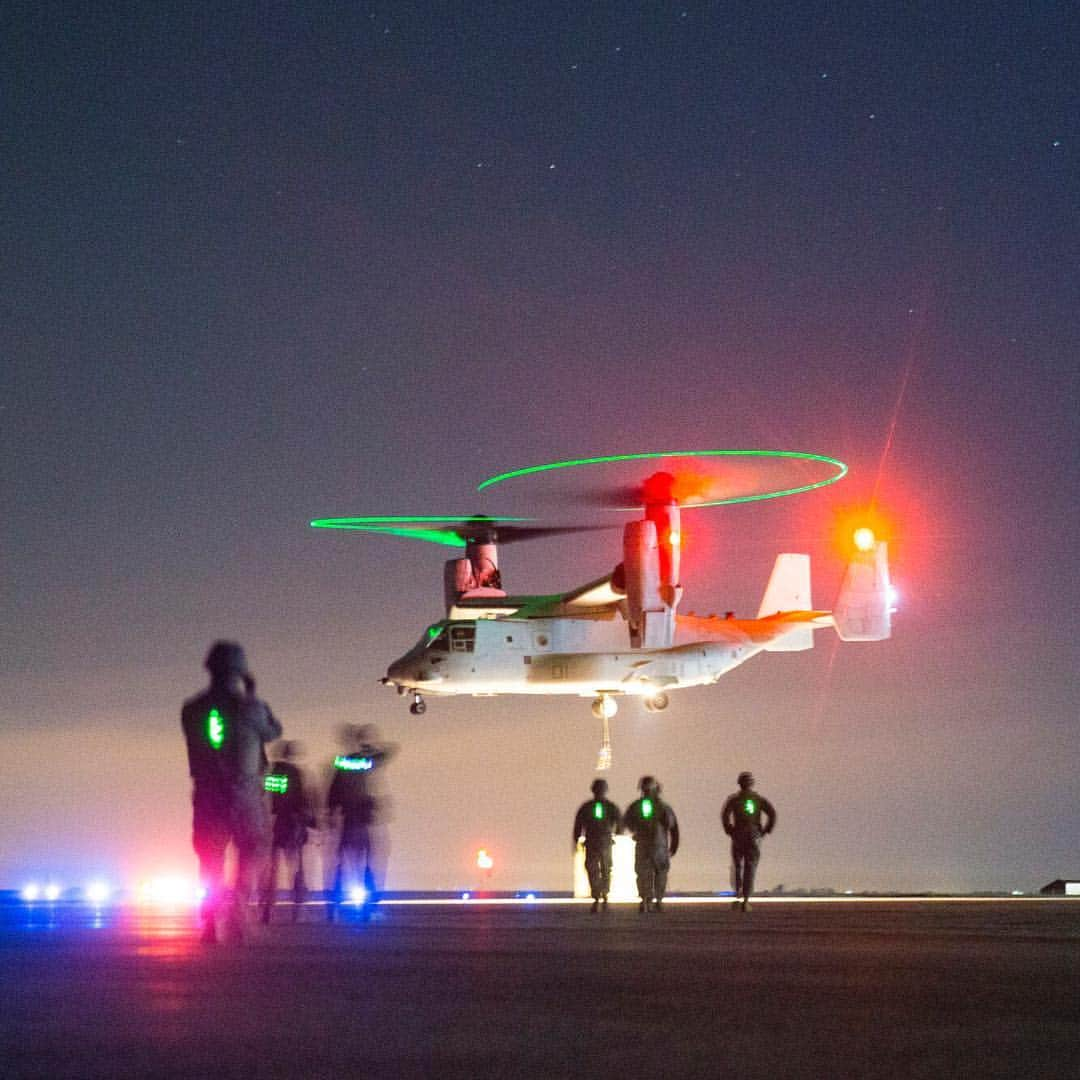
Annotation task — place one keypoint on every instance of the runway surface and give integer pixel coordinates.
(796, 989)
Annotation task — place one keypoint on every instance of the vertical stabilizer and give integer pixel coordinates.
(789, 586)
(863, 610)
(789, 590)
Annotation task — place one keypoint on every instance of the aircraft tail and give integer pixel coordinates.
(789, 591)
(863, 609)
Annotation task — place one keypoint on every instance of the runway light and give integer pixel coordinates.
(863, 539)
(97, 892)
(466, 896)
(52, 892)
(31, 892)
(358, 894)
(530, 896)
(170, 892)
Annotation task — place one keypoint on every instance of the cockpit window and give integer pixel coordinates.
(462, 638)
(436, 638)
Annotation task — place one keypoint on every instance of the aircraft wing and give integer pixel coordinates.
(596, 598)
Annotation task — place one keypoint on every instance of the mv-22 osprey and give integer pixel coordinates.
(620, 635)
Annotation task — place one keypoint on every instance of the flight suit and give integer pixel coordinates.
(655, 829)
(360, 845)
(598, 820)
(291, 809)
(742, 820)
(226, 733)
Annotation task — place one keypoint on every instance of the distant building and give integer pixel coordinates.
(1062, 887)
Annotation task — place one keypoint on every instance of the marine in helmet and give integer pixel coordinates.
(746, 817)
(291, 807)
(598, 820)
(655, 829)
(353, 798)
(226, 728)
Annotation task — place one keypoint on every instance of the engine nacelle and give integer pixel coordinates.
(650, 600)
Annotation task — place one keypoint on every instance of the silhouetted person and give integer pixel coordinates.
(741, 818)
(290, 804)
(226, 728)
(352, 796)
(655, 829)
(598, 821)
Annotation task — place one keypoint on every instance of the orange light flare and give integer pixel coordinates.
(858, 529)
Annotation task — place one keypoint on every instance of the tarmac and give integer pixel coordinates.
(790, 989)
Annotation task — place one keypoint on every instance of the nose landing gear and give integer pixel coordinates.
(418, 706)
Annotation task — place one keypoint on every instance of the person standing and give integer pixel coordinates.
(742, 820)
(352, 796)
(598, 821)
(655, 829)
(226, 728)
(290, 804)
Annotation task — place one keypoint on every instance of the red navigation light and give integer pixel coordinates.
(863, 538)
(858, 529)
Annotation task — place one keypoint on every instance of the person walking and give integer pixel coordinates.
(598, 821)
(226, 728)
(746, 817)
(655, 829)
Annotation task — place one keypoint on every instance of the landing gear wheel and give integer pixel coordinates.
(418, 706)
(603, 707)
(656, 703)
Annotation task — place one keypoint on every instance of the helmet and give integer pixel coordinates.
(599, 787)
(226, 657)
(746, 779)
(648, 784)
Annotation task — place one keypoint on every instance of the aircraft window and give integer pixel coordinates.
(463, 638)
(439, 642)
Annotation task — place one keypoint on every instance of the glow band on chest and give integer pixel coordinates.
(215, 729)
(276, 784)
(749, 806)
(351, 764)
(598, 811)
(646, 808)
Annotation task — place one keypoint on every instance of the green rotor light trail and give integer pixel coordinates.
(408, 527)
(796, 455)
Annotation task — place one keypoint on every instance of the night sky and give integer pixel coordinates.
(264, 263)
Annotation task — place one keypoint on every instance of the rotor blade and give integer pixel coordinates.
(511, 534)
(452, 531)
